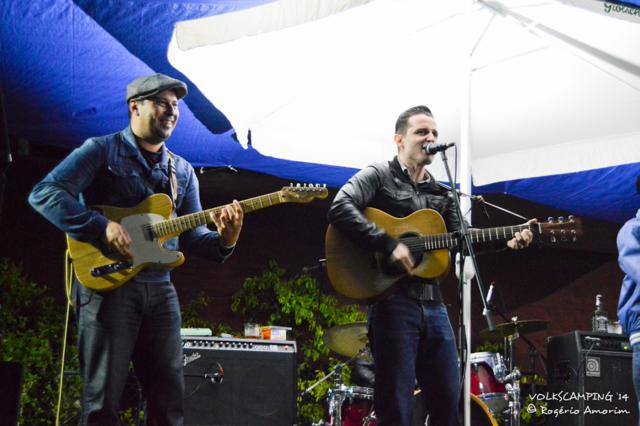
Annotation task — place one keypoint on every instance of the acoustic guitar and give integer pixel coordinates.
(150, 224)
(358, 273)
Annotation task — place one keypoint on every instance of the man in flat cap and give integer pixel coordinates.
(140, 320)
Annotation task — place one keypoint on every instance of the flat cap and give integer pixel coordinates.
(150, 85)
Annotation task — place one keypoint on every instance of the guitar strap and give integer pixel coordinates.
(173, 180)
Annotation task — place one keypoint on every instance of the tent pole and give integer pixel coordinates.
(465, 186)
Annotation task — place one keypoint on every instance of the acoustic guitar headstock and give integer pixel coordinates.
(561, 229)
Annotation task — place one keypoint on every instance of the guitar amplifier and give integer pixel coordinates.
(590, 380)
(230, 381)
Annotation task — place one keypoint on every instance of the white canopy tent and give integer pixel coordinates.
(553, 88)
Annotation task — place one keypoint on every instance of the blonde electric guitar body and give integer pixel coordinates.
(146, 250)
(150, 225)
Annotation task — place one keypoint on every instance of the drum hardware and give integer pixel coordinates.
(505, 399)
(487, 380)
(348, 405)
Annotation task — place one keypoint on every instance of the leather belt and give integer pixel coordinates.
(424, 292)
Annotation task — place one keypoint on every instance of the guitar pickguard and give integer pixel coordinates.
(147, 250)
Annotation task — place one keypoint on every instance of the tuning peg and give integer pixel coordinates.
(560, 219)
(550, 219)
(571, 218)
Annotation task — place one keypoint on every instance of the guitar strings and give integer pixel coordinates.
(440, 241)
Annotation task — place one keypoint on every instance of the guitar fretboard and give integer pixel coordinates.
(450, 239)
(184, 223)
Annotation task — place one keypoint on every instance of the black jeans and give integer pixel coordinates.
(137, 322)
(413, 340)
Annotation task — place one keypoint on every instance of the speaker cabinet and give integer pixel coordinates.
(590, 380)
(239, 382)
(10, 386)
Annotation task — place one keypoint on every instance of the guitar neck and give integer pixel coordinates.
(450, 240)
(184, 223)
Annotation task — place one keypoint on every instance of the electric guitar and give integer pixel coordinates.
(150, 224)
(358, 273)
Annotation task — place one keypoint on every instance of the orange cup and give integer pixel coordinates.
(266, 333)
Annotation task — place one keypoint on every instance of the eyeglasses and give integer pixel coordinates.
(164, 104)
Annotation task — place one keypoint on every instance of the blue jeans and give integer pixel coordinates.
(636, 370)
(137, 322)
(413, 340)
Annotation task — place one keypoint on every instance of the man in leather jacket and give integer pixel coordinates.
(409, 331)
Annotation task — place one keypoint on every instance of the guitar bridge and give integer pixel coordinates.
(111, 268)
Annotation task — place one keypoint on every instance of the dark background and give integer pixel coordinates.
(552, 283)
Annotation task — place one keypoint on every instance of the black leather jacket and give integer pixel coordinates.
(386, 187)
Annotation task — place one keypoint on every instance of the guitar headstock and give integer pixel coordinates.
(303, 193)
(562, 229)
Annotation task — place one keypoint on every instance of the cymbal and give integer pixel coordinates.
(510, 328)
(347, 339)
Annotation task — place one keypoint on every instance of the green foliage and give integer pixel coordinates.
(192, 311)
(272, 299)
(527, 415)
(31, 330)
(192, 316)
(488, 346)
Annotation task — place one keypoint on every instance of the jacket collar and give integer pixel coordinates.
(399, 172)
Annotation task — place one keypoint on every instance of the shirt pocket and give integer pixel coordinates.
(397, 194)
(127, 184)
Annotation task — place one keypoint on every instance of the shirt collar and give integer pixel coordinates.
(405, 170)
(132, 150)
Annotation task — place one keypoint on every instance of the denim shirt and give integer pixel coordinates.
(110, 170)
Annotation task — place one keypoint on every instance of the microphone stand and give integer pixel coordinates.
(532, 346)
(467, 245)
(466, 249)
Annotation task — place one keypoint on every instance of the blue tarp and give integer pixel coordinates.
(64, 66)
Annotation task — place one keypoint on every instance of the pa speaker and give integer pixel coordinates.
(239, 382)
(10, 385)
(590, 380)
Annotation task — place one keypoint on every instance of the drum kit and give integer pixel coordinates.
(347, 405)
(495, 380)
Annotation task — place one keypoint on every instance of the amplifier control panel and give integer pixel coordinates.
(604, 342)
(235, 344)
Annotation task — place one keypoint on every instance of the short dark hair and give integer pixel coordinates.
(402, 123)
(139, 100)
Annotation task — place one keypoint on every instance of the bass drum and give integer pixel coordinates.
(480, 413)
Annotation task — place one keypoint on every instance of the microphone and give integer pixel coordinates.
(489, 295)
(433, 148)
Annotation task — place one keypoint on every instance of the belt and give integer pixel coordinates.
(424, 292)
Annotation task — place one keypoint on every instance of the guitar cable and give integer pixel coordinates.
(68, 277)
